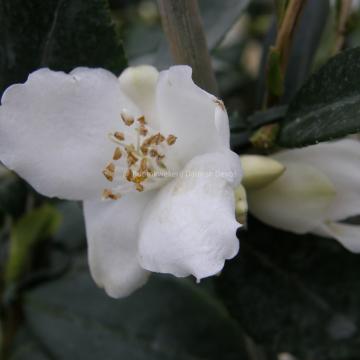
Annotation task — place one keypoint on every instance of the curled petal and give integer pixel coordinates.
(297, 201)
(197, 118)
(190, 226)
(112, 234)
(53, 130)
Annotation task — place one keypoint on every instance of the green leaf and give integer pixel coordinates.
(59, 34)
(295, 294)
(166, 319)
(33, 227)
(26, 347)
(327, 106)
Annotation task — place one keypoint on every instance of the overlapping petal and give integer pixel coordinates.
(54, 130)
(297, 201)
(112, 229)
(190, 226)
(139, 84)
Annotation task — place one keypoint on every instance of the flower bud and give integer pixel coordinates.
(260, 171)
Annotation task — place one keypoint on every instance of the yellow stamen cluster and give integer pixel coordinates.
(142, 159)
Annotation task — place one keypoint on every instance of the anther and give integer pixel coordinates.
(143, 166)
(109, 171)
(159, 138)
(131, 159)
(171, 139)
(153, 153)
(139, 187)
(144, 149)
(127, 119)
(119, 135)
(139, 179)
(108, 194)
(143, 130)
(117, 154)
(142, 120)
(130, 148)
(129, 175)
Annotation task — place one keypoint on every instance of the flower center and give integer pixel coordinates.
(139, 160)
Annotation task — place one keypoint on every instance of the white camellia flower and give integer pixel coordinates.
(149, 155)
(319, 188)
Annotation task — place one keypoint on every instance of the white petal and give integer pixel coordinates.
(340, 161)
(348, 235)
(297, 201)
(112, 233)
(222, 125)
(190, 113)
(139, 83)
(54, 130)
(190, 227)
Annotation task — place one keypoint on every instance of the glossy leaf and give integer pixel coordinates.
(58, 34)
(295, 294)
(327, 106)
(33, 227)
(26, 347)
(167, 319)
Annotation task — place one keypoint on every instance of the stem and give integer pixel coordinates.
(286, 31)
(183, 28)
(344, 12)
(265, 137)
